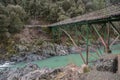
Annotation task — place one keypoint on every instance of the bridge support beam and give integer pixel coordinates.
(117, 31)
(56, 34)
(87, 41)
(101, 38)
(108, 39)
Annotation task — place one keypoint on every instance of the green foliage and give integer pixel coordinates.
(57, 10)
(16, 11)
(10, 49)
(62, 17)
(3, 19)
(17, 16)
(11, 21)
(66, 5)
(3, 23)
(39, 42)
(11, 18)
(50, 10)
(98, 4)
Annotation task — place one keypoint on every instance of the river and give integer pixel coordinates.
(59, 61)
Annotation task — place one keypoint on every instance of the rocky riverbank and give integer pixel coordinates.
(69, 72)
(42, 50)
(33, 52)
(31, 45)
(46, 50)
(28, 53)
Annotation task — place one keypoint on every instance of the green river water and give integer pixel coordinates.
(59, 61)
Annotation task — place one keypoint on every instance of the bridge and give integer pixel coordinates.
(111, 13)
(103, 18)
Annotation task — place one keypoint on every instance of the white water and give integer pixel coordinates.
(6, 65)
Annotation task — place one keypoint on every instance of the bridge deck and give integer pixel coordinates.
(107, 14)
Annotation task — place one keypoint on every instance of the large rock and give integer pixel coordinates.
(107, 63)
(98, 75)
(35, 75)
(69, 72)
(54, 49)
(36, 52)
(61, 50)
(118, 64)
(26, 57)
(28, 52)
(31, 72)
(16, 74)
(4, 73)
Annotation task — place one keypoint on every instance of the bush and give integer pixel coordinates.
(12, 18)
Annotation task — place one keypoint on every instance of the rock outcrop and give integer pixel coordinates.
(33, 53)
(29, 72)
(107, 63)
(69, 72)
(33, 72)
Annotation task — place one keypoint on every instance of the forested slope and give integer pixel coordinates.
(14, 14)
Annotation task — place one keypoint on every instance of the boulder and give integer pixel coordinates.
(69, 72)
(107, 63)
(16, 74)
(26, 57)
(98, 75)
(51, 49)
(61, 50)
(35, 75)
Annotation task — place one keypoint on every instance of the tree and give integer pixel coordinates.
(11, 18)
(4, 20)
(98, 4)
